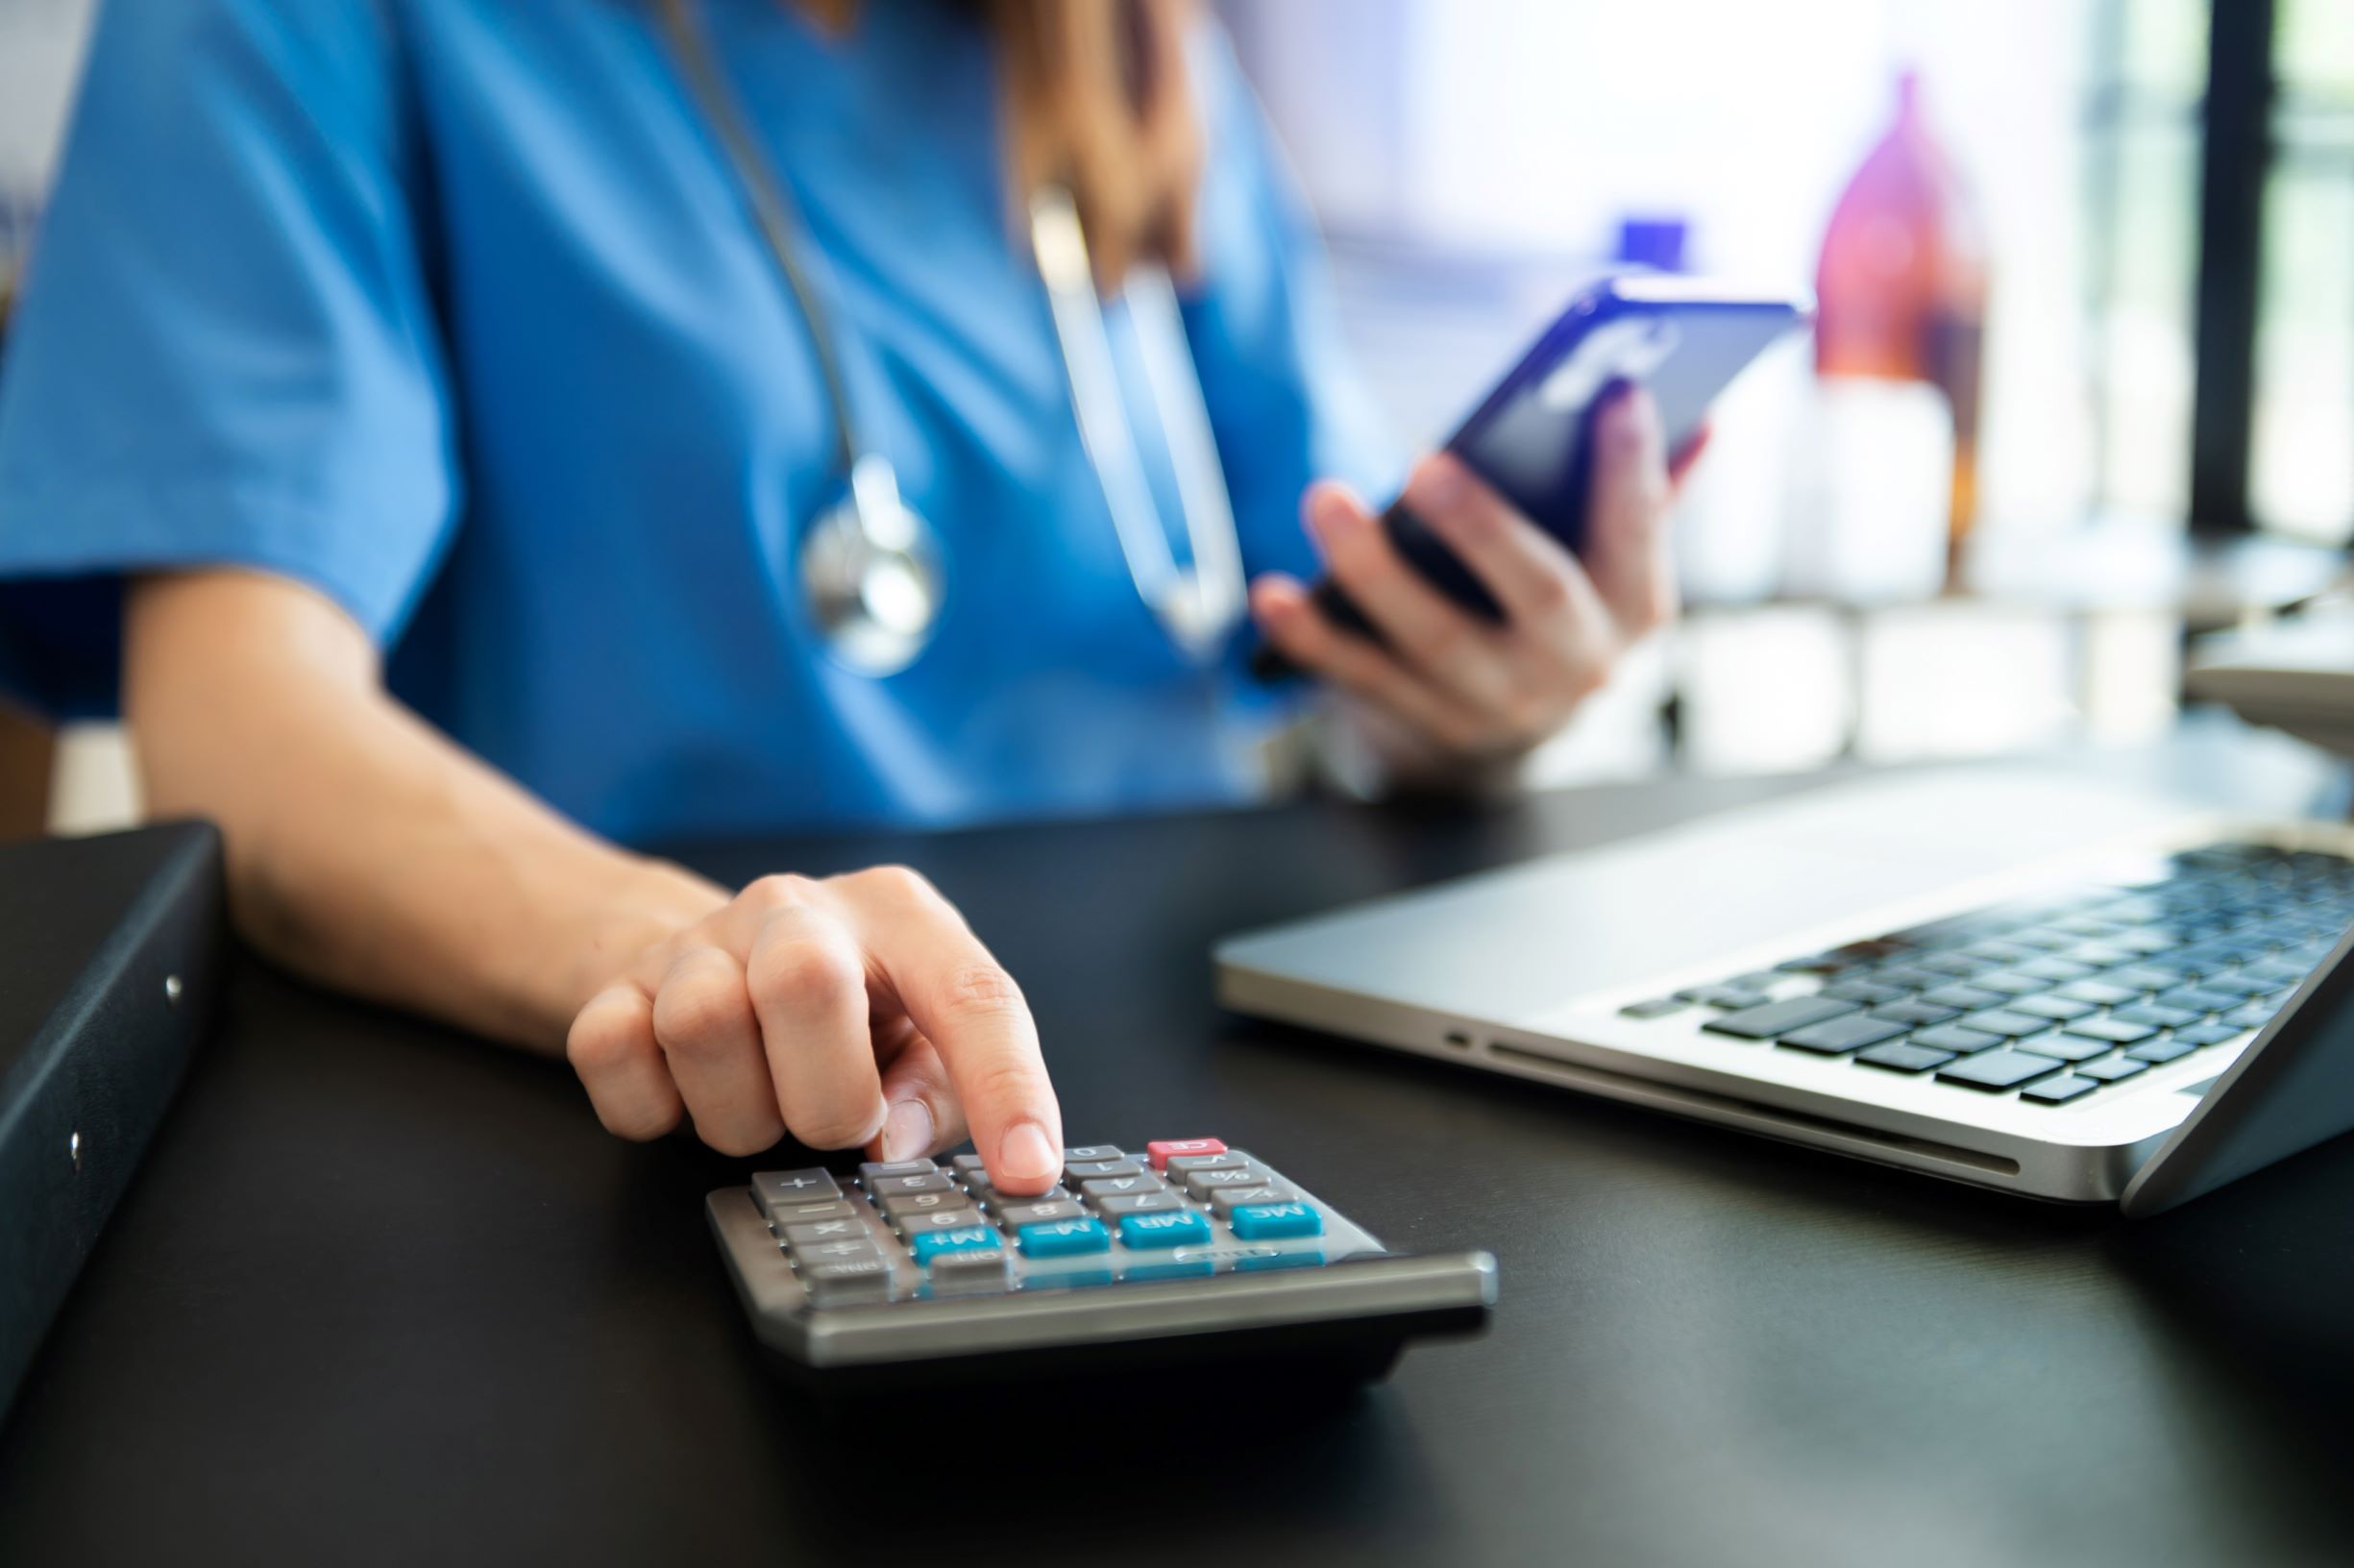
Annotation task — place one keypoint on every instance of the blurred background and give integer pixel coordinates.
(2102, 401)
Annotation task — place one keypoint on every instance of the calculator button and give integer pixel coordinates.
(1140, 1203)
(837, 1252)
(1224, 1201)
(1083, 1170)
(1003, 1201)
(1015, 1215)
(899, 1205)
(968, 1167)
(799, 1213)
(1163, 1228)
(1064, 1237)
(928, 1180)
(1086, 1153)
(846, 1283)
(818, 1232)
(1122, 1187)
(937, 1219)
(1274, 1221)
(869, 1172)
(777, 1188)
(1200, 1183)
(1177, 1164)
(1164, 1149)
(1170, 1268)
(970, 1270)
(930, 1244)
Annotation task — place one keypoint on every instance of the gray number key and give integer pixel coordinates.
(928, 1180)
(1043, 1213)
(899, 1205)
(1139, 1203)
(942, 1219)
(869, 1170)
(1081, 1170)
(1003, 1200)
(1123, 1187)
(1089, 1153)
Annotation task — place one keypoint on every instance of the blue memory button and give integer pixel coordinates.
(1064, 1237)
(1272, 1221)
(929, 1244)
(1164, 1228)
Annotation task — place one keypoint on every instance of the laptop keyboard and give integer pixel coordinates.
(2060, 995)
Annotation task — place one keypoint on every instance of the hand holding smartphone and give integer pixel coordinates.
(1530, 438)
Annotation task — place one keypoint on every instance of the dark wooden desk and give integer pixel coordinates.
(381, 1295)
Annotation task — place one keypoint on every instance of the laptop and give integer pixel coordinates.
(2008, 977)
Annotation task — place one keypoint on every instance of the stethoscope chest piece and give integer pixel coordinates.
(870, 569)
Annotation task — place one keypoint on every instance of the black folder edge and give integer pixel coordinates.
(80, 1103)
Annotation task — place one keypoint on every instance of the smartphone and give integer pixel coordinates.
(1684, 338)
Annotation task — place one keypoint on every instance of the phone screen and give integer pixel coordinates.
(1530, 438)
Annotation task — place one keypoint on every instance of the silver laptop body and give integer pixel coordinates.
(1526, 971)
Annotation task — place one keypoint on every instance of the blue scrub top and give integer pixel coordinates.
(453, 310)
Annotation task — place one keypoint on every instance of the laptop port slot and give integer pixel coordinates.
(1459, 1041)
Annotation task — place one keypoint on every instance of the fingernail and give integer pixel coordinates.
(1331, 515)
(1441, 486)
(1024, 1155)
(907, 1132)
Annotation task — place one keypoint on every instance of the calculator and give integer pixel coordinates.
(1184, 1252)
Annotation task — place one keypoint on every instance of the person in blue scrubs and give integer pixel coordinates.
(406, 426)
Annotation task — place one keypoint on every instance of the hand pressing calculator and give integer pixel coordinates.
(1190, 1252)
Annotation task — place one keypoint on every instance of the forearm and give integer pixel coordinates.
(365, 850)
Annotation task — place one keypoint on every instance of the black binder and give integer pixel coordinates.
(111, 957)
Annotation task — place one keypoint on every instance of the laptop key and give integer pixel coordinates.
(2059, 1091)
(2057, 1008)
(2164, 1018)
(2110, 1071)
(1836, 1037)
(1917, 1013)
(1902, 1056)
(2011, 983)
(2209, 1034)
(1771, 1019)
(1969, 998)
(2068, 1048)
(2158, 1052)
(2116, 1031)
(1865, 990)
(1721, 996)
(2002, 1020)
(2192, 999)
(1993, 1071)
(1657, 1007)
(1951, 1037)
(2100, 992)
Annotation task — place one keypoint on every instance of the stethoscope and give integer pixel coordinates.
(869, 564)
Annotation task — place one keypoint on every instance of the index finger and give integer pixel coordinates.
(974, 1014)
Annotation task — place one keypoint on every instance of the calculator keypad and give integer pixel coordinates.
(913, 1228)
